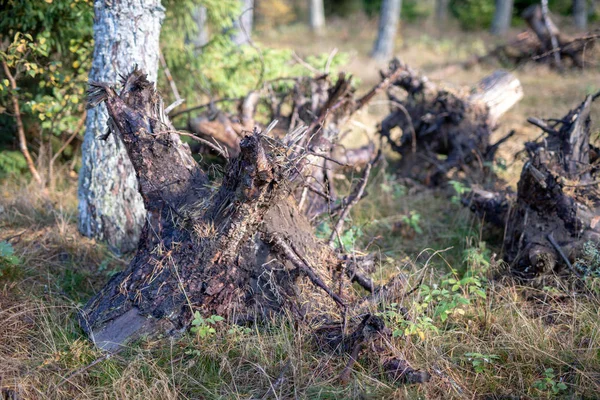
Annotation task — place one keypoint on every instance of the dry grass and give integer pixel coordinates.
(520, 331)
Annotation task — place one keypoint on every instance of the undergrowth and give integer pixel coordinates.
(476, 334)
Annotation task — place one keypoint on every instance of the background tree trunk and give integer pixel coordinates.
(580, 14)
(317, 16)
(441, 10)
(126, 33)
(502, 17)
(388, 25)
(243, 23)
(201, 37)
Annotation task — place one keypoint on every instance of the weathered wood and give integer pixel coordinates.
(499, 91)
(238, 248)
(445, 131)
(556, 209)
(241, 249)
(554, 44)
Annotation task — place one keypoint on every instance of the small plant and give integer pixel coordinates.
(204, 327)
(8, 261)
(451, 294)
(460, 189)
(348, 238)
(477, 258)
(395, 317)
(392, 187)
(548, 383)
(481, 361)
(589, 263)
(412, 220)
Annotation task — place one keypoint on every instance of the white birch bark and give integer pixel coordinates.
(317, 16)
(502, 17)
(388, 26)
(126, 33)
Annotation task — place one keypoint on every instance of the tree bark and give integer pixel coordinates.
(237, 251)
(580, 14)
(555, 45)
(317, 16)
(126, 33)
(200, 17)
(388, 26)
(242, 25)
(441, 10)
(502, 17)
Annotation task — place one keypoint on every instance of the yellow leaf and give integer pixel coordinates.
(421, 335)
(76, 64)
(48, 1)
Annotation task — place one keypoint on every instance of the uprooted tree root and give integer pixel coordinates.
(241, 249)
(543, 43)
(318, 106)
(556, 209)
(443, 132)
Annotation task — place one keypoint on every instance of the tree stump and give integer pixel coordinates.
(241, 251)
(556, 209)
(445, 131)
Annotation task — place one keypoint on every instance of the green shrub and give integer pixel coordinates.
(473, 14)
(12, 162)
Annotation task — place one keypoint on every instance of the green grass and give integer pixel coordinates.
(524, 331)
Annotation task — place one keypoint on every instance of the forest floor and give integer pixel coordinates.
(520, 341)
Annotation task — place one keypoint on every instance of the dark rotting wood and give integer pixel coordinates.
(445, 132)
(556, 209)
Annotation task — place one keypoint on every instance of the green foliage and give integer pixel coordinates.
(548, 383)
(348, 237)
(12, 162)
(477, 258)
(412, 220)
(412, 10)
(47, 46)
(221, 68)
(204, 327)
(396, 318)
(391, 187)
(473, 14)
(480, 362)
(460, 190)
(9, 262)
(451, 295)
(589, 263)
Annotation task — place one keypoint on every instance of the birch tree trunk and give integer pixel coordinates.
(243, 23)
(580, 14)
(200, 38)
(441, 10)
(502, 17)
(126, 33)
(388, 26)
(317, 16)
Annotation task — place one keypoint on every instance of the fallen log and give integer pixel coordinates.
(444, 132)
(556, 209)
(239, 248)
